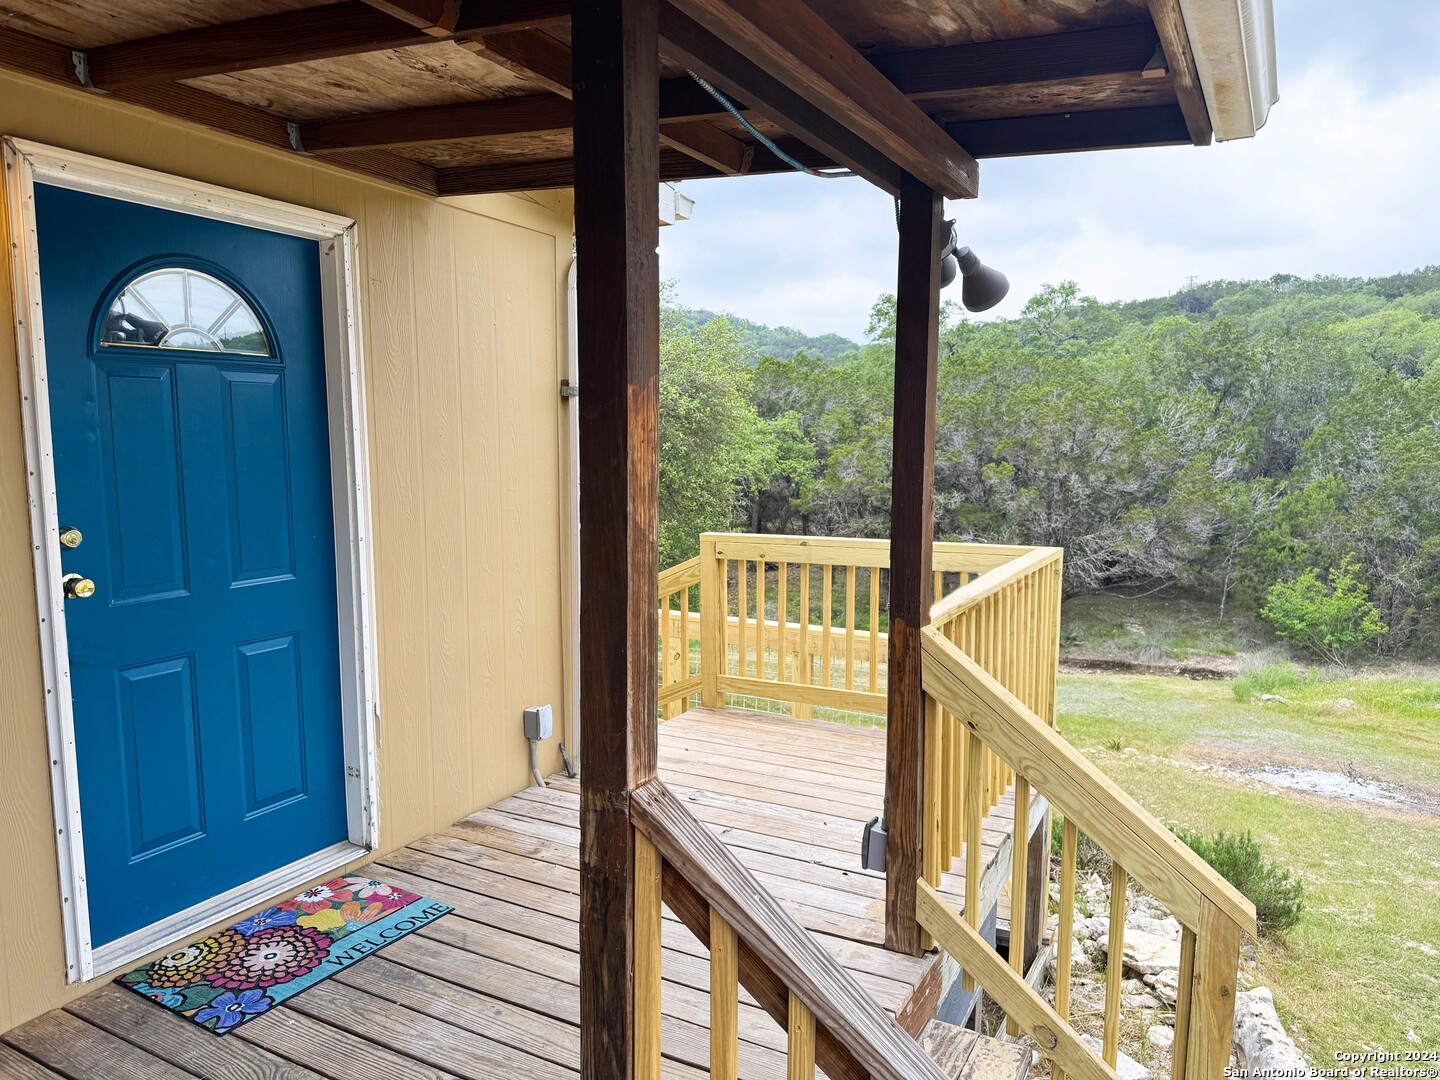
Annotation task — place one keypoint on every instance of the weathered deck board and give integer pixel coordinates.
(493, 990)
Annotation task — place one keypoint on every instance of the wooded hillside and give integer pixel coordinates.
(1219, 441)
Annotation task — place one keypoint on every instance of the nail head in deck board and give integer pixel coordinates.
(912, 534)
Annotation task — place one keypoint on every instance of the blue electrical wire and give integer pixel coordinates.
(765, 140)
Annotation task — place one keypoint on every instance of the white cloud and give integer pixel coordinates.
(1343, 179)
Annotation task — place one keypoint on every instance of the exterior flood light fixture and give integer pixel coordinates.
(982, 286)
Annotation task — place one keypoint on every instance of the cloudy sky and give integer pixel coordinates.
(1344, 178)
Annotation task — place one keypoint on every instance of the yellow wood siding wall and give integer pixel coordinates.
(462, 311)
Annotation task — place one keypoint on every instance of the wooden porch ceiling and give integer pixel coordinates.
(466, 96)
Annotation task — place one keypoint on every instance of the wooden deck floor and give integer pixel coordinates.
(493, 990)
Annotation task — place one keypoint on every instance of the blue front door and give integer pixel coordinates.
(188, 415)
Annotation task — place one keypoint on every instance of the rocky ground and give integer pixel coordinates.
(1151, 972)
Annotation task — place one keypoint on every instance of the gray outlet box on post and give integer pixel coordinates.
(872, 846)
(538, 722)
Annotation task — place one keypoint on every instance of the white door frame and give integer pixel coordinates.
(27, 163)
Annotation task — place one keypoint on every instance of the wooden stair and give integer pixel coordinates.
(964, 1055)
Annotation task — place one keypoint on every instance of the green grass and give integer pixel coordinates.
(1155, 628)
(1354, 971)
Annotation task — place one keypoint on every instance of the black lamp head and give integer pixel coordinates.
(983, 286)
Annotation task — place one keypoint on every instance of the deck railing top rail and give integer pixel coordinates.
(832, 1021)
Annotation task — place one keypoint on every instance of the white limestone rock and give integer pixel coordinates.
(1125, 1066)
(1160, 1037)
(1260, 1040)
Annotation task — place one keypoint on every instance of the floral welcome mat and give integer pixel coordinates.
(247, 969)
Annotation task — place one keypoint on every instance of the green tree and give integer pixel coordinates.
(1333, 619)
(711, 444)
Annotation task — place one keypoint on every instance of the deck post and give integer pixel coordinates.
(912, 533)
(616, 78)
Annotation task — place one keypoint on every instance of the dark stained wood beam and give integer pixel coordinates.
(1154, 125)
(617, 174)
(434, 17)
(53, 62)
(291, 37)
(532, 114)
(921, 74)
(560, 172)
(808, 56)
(707, 143)
(503, 16)
(1170, 24)
(531, 54)
(741, 79)
(541, 58)
(266, 41)
(912, 540)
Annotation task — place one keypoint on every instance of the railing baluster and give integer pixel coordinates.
(1184, 998)
(974, 814)
(828, 601)
(742, 591)
(1019, 868)
(647, 959)
(685, 632)
(873, 683)
(782, 617)
(803, 654)
(849, 628)
(800, 1051)
(1115, 962)
(1065, 932)
(724, 999)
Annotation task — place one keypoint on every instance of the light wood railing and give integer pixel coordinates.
(804, 617)
(1008, 621)
(830, 1020)
(992, 698)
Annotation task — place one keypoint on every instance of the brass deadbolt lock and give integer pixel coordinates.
(70, 537)
(77, 587)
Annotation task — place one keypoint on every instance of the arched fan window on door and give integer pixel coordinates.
(179, 308)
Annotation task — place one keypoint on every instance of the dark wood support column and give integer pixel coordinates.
(616, 80)
(912, 528)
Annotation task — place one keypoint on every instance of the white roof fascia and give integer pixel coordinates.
(1234, 46)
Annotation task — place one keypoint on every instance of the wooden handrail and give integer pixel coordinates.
(1177, 876)
(1043, 1024)
(991, 582)
(853, 1035)
(1212, 912)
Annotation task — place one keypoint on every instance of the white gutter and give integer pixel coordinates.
(1234, 46)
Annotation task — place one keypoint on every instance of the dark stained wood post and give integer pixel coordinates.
(616, 81)
(912, 528)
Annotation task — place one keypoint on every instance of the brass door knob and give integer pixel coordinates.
(77, 587)
(70, 537)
